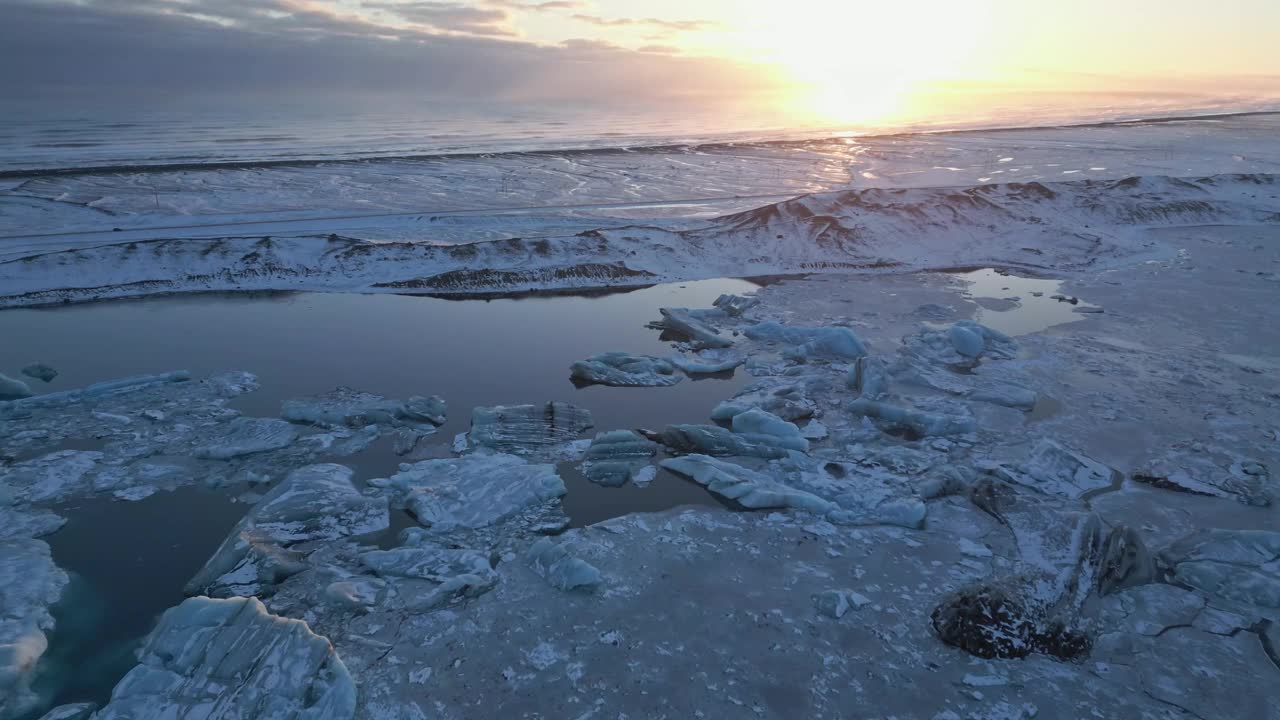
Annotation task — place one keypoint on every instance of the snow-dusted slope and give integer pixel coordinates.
(1062, 226)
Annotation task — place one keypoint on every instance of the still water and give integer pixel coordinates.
(129, 560)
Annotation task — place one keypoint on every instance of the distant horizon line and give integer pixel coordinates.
(819, 136)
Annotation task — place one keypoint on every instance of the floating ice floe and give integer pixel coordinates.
(93, 392)
(233, 659)
(685, 322)
(346, 407)
(317, 502)
(52, 476)
(527, 429)
(470, 492)
(837, 343)
(561, 570)
(789, 401)
(616, 456)
(620, 369)
(246, 436)
(30, 584)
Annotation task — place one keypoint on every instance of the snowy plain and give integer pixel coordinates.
(1002, 444)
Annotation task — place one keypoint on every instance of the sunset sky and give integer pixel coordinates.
(840, 60)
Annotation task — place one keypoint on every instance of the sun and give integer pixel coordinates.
(858, 63)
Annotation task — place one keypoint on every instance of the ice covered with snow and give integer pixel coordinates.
(470, 492)
(233, 658)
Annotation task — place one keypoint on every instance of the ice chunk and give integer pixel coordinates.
(788, 401)
(1237, 565)
(614, 456)
(457, 572)
(923, 424)
(29, 585)
(621, 369)
(707, 362)
(246, 436)
(735, 305)
(749, 488)
(1051, 468)
(316, 502)
(472, 491)
(863, 496)
(966, 341)
(527, 429)
(1006, 394)
(52, 476)
(715, 440)
(232, 659)
(758, 426)
(40, 371)
(13, 388)
(346, 407)
(97, 390)
(682, 321)
(825, 342)
(560, 569)
(963, 342)
(869, 377)
(835, 603)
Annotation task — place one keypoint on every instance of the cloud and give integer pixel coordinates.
(654, 22)
(127, 52)
(448, 16)
(549, 6)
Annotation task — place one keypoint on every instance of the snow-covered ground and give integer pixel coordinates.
(1063, 510)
